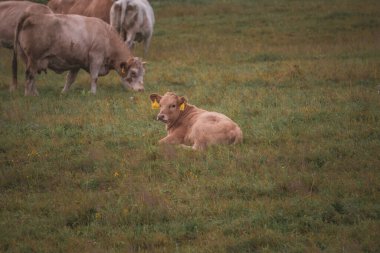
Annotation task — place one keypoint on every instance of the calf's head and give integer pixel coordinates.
(170, 105)
(132, 74)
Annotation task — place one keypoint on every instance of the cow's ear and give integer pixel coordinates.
(182, 100)
(155, 97)
(182, 103)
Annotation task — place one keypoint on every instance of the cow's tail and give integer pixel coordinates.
(14, 71)
(15, 48)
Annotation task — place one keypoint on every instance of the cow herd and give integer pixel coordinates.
(68, 35)
(98, 36)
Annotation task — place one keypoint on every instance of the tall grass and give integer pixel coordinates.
(84, 173)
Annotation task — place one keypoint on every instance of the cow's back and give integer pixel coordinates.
(211, 128)
(60, 6)
(89, 8)
(10, 13)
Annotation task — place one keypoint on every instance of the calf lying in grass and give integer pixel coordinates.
(186, 124)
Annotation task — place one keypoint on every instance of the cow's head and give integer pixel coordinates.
(171, 106)
(132, 74)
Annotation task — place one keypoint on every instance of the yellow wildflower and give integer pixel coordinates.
(98, 216)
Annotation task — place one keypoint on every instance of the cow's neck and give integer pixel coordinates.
(183, 114)
(121, 53)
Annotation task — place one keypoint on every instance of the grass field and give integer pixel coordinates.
(84, 173)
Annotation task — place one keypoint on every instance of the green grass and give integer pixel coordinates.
(84, 173)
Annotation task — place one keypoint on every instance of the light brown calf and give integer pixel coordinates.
(186, 124)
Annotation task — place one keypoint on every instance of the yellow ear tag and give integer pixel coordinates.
(182, 107)
(155, 105)
(123, 70)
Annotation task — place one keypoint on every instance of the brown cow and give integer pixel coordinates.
(186, 124)
(73, 42)
(10, 13)
(133, 19)
(90, 8)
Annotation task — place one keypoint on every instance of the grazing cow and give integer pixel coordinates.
(133, 19)
(186, 124)
(10, 13)
(73, 42)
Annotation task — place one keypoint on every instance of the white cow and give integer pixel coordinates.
(134, 20)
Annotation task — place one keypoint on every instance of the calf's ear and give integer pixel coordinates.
(155, 97)
(182, 100)
(182, 103)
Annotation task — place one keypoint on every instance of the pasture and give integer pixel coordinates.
(83, 173)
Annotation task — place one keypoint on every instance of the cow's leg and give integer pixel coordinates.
(186, 147)
(94, 73)
(199, 145)
(94, 79)
(34, 88)
(170, 139)
(130, 39)
(70, 78)
(13, 86)
(123, 34)
(146, 44)
(30, 88)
